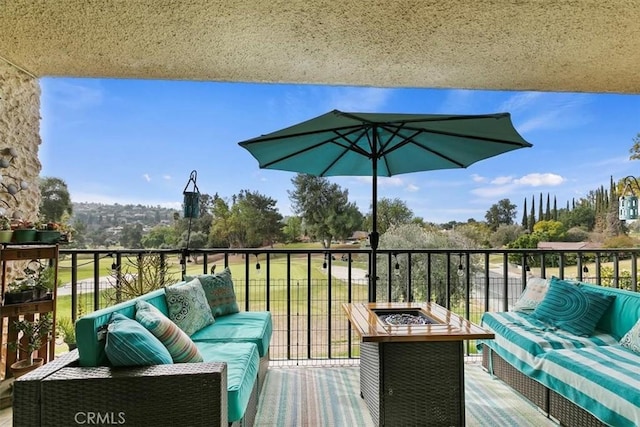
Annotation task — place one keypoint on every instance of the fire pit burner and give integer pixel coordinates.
(404, 317)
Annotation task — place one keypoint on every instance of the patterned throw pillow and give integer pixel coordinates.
(533, 294)
(180, 346)
(130, 344)
(219, 291)
(631, 339)
(571, 307)
(188, 307)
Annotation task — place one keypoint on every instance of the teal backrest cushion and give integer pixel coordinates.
(623, 312)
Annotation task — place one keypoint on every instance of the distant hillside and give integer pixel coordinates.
(101, 216)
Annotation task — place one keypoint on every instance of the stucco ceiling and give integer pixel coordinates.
(551, 45)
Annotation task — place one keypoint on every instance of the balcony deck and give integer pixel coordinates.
(305, 289)
(489, 401)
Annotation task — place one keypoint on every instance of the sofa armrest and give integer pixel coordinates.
(26, 389)
(191, 393)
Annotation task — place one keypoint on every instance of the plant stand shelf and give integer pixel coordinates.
(28, 310)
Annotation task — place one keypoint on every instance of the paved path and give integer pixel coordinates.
(342, 273)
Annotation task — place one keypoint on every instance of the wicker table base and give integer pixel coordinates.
(413, 383)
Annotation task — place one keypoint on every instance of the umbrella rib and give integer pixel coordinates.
(461, 135)
(349, 146)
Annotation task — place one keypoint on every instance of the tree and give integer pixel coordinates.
(321, 205)
(55, 199)
(524, 215)
(131, 236)
(413, 236)
(390, 213)
(501, 213)
(550, 231)
(505, 234)
(292, 230)
(635, 149)
(160, 236)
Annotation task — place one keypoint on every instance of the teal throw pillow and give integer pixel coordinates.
(130, 344)
(571, 307)
(631, 339)
(188, 307)
(177, 342)
(219, 291)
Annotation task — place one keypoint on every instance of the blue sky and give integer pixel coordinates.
(136, 141)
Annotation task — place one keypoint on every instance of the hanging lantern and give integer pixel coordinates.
(628, 208)
(191, 203)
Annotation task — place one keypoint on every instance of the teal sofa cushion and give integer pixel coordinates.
(242, 361)
(623, 312)
(246, 326)
(131, 344)
(91, 328)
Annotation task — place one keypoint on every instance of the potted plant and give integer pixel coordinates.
(24, 231)
(36, 285)
(49, 232)
(67, 331)
(32, 334)
(6, 233)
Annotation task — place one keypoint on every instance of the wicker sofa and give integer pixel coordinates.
(577, 380)
(82, 387)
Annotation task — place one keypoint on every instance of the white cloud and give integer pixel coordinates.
(491, 192)
(477, 178)
(539, 179)
(502, 180)
(146, 177)
(166, 177)
(504, 185)
(412, 188)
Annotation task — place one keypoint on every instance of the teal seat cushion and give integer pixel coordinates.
(131, 344)
(242, 361)
(246, 326)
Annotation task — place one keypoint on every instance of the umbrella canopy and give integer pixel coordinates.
(383, 144)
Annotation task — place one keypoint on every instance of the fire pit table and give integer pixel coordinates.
(412, 362)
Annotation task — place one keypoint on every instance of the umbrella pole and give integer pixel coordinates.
(374, 236)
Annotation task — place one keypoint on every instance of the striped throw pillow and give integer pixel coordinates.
(130, 344)
(179, 345)
(571, 307)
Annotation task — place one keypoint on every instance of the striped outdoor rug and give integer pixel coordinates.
(323, 397)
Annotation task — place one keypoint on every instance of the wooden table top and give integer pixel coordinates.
(450, 326)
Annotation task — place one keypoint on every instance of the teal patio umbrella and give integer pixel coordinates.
(384, 144)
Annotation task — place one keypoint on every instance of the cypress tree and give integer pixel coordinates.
(532, 218)
(524, 215)
(555, 209)
(540, 211)
(547, 214)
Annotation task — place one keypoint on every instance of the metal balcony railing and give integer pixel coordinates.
(305, 288)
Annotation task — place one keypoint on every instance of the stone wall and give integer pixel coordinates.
(20, 130)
